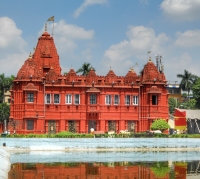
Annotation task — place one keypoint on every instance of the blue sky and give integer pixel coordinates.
(108, 34)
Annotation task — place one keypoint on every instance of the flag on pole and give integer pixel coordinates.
(51, 18)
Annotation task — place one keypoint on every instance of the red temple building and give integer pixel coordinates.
(45, 101)
(118, 170)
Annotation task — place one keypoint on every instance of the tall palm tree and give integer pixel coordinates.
(85, 69)
(187, 81)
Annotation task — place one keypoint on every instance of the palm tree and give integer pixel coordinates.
(187, 81)
(86, 67)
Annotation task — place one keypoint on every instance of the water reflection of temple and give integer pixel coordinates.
(115, 170)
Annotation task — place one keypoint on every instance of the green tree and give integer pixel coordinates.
(192, 104)
(4, 114)
(187, 81)
(86, 67)
(160, 124)
(5, 85)
(196, 92)
(184, 96)
(172, 105)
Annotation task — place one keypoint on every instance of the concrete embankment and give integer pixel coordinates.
(101, 144)
(4, 163)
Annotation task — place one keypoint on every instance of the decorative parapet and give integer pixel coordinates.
(30, 87)
(93, 90)
(154, 89)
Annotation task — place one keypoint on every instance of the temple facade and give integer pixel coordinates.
(45, 101)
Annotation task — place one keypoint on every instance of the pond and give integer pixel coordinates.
(108, 165)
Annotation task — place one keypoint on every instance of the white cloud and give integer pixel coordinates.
(126, 53)
(87, 55)
(140, 37)
(11, 63)
(65, 70)
(194, 68)
(176, 64)
(10, 35)
(190, 38)
(181, 62)
(67, 35)
(140, 40)
(86, 4)
(11, 47)
(118, 51)
(181, 10)
(71, 31)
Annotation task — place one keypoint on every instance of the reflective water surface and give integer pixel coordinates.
(115, 165)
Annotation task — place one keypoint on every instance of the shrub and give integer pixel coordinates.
(160, 124)
(31, 135)
(161, 135)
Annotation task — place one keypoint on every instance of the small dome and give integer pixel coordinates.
(131, 76)
(45, 34)
(150, 72)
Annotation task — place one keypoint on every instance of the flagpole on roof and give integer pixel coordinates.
(51, 19)
(53, 27)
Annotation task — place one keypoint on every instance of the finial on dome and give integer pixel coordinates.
(30, 55)
(150, 59)
(45, 27)
(131, 69)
